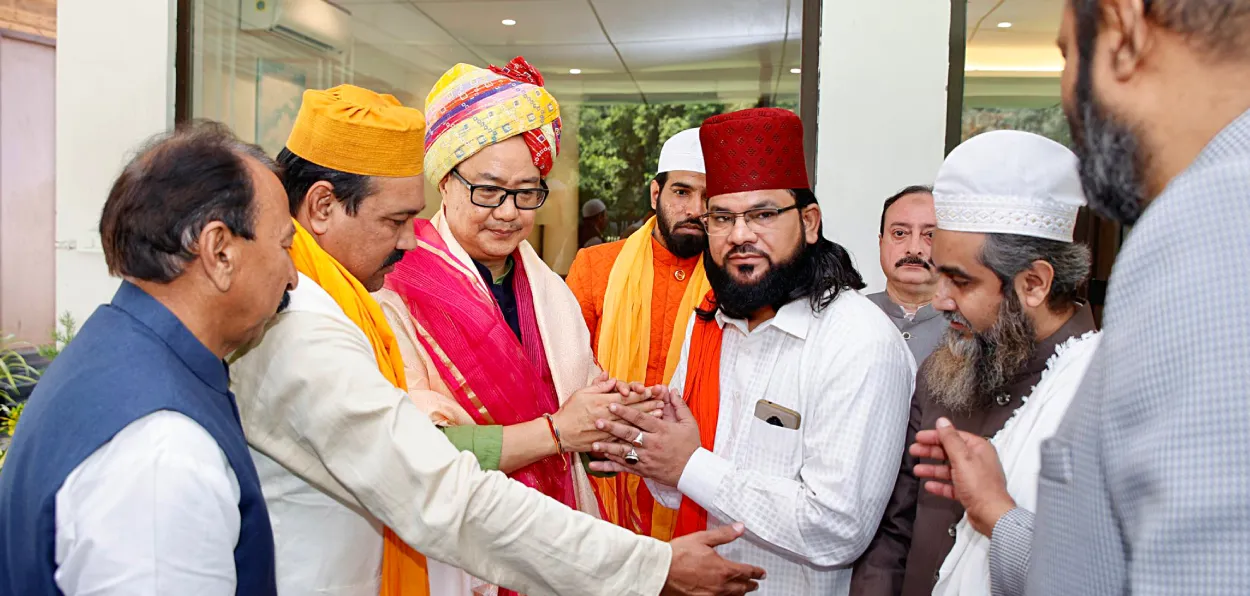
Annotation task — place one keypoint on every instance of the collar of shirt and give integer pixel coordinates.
(1082, 321)
(486, 274)
(1232, 141)
(794, 318)
(149, 311)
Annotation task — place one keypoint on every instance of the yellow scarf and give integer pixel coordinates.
(625, 328)
(403, 569)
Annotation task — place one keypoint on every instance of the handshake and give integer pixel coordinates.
(612, 418)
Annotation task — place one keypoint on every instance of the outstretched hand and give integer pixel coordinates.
(696, 569)
(969, 472)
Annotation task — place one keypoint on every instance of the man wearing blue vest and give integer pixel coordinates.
(129, 473)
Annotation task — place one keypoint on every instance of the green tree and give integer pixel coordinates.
(620, 147)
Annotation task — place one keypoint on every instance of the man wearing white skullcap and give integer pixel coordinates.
(594, 222)
(1015, 351)
(641, 291)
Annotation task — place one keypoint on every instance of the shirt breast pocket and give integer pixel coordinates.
(1056, 464)
(773, 449)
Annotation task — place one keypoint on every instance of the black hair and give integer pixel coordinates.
(824, 270)
(300, 174)
(661, 179)
(910, 190)
(177, 184)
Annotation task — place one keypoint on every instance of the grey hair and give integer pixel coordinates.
(1009, 254)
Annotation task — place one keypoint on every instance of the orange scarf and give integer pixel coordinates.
(403, 569)
(702, 394)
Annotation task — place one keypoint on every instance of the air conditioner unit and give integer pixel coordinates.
(316, 23)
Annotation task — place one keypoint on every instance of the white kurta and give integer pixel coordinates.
(342, 452)
(153, 511)
(811, 498)
(966, 569)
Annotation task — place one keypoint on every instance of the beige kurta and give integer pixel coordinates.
(340, 452)
(565, 340)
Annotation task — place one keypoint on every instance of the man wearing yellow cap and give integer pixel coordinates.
(347, 461)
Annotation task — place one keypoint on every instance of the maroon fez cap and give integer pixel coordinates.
(755, 149)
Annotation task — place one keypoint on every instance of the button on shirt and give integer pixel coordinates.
(811, 497)
(922, 330)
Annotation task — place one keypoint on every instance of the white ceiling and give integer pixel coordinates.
(627, 50)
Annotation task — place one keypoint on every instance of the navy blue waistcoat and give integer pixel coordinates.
(133, 357)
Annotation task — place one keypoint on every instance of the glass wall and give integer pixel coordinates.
(1011, 82)
(626, 79)
(1012, 68)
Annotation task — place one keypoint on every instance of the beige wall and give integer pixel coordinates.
(881, 114)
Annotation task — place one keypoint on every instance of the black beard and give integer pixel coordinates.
(966, 375)
(740, 301)
(286, 302)
(683, 246)
(1112, 162)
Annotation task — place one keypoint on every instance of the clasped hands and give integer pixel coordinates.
(968, 471)
(662, 444)
(576, 419)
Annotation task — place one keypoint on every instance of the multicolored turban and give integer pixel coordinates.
(472, 108)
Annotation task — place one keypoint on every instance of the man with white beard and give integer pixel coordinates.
(1006, 206)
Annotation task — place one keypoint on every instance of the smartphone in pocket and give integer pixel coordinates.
(777, 415)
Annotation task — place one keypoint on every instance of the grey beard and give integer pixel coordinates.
(964, 375)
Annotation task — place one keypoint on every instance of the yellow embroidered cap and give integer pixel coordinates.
(355, 130)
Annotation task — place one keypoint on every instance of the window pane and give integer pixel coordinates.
(1012, 69)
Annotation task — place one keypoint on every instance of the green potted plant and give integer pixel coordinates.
(18, 375)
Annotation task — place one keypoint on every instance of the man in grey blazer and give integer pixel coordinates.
(1145, 487)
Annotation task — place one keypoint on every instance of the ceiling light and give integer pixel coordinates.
(509, 22)
(575, 71)
(1004, 25)
(796, 70)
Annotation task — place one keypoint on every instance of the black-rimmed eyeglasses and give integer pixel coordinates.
(490, 196)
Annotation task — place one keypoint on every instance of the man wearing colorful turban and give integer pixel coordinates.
(355, 475)
(480, 318)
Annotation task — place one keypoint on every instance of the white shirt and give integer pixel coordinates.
(811, 498)
(154, 511)
(341, 453)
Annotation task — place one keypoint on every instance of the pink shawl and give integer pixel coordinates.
(495, 378)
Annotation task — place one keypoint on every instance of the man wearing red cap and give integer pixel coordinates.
(796, 387)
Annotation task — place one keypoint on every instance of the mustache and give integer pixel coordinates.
(692, 222)
(744, 249)
(914, 260)
(395, 257)
(285, 303)
(953, 316)
(505, 229)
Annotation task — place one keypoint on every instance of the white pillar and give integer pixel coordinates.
(882, 114)
(115, 88)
